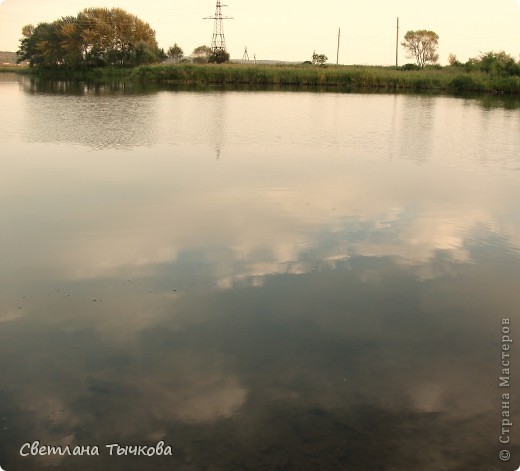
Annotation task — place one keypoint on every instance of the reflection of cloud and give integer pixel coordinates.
(240, 235)
(52, 419)
(137, 403)
(427, 397)
(316, 358)
(11, 315)
(266, 208)
(55, 412)
(209, 398)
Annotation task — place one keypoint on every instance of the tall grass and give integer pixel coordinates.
(14, 68)
(455, 79)
(349, 77)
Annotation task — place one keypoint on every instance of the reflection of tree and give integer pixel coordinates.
(417, 125)
(394, 133)
(35, 85)
(108, 115)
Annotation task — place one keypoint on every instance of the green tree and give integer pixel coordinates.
(497, 63)
(421, 45)
(144, 53)
(218, 56)
(28, 46)
(201, 54)
(71, 43)
(95, 37)
(110, 36)
(452, 60)
(319, 59)
(161, 54)
(41, 45)
(175, 52)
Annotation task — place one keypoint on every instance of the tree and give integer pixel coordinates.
(175, 52)
(421, 45)
(161, 55)
(41, 45)
(218, 56)
(111, 36)
(72, 47)
(28, 45)
(452, 60)
(319, 59)
(144, 53)
(201, 54)
(95, 37)
(497, 63)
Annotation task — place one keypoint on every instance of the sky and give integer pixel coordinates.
(292, 31)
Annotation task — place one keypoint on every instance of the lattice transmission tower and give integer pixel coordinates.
(218, 42)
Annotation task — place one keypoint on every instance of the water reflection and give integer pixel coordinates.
(90, 115)
(418, 118)
(129, 115)
(35, 85)
(354, 359)
(305, 302)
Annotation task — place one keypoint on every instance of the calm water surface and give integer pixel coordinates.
(263, 280)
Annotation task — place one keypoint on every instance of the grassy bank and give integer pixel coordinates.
(348, 77)
(455, 79)
(14, 68)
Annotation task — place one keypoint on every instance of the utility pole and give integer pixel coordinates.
(337, 53)
(397, 45)
(218, 42)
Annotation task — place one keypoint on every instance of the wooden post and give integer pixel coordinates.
(337, 53)
(397, 45)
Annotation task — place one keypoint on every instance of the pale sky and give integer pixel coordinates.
(290, 30)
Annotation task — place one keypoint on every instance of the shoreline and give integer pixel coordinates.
(451, 79)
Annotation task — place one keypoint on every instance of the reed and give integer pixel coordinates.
(450, 79)
(348, 77)
(14, 68)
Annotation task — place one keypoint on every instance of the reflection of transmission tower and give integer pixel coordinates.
(218, 42)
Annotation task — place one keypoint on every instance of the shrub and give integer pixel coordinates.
(465, 83)
(410, 67)
(219, 56)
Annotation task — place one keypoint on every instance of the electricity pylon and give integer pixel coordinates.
(218, 42)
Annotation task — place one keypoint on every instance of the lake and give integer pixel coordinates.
(257, 279)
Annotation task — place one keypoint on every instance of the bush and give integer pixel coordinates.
(494, 63)
(410, 67)
(219, 57)
(465, 83)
